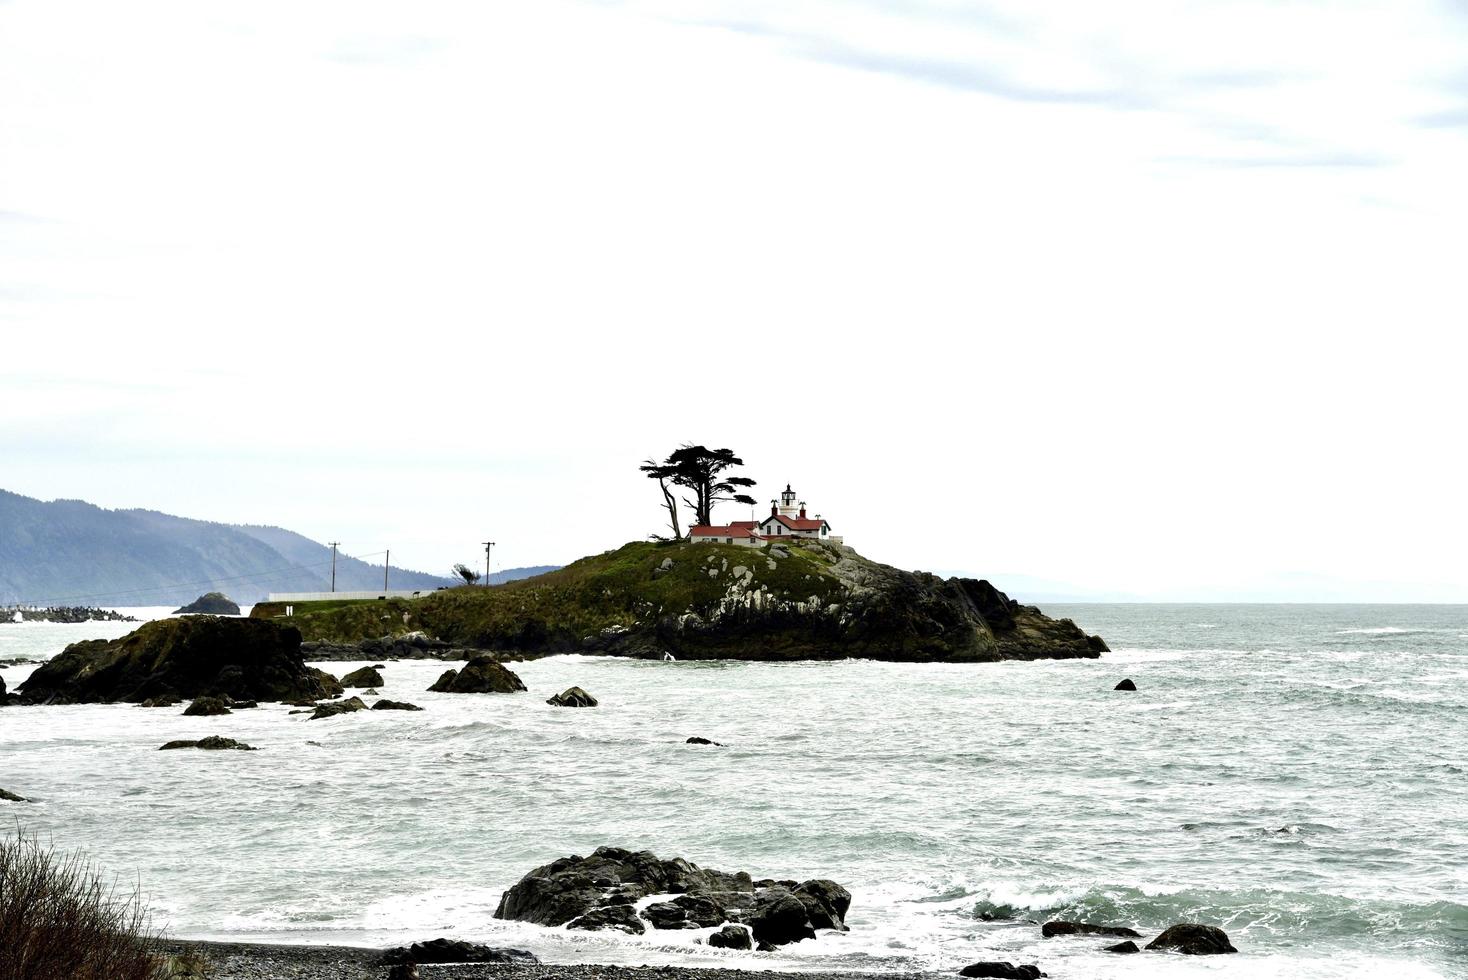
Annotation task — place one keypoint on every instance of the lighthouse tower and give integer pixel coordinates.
(788, 507)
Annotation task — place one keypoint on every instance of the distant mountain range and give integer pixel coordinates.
(72, 553)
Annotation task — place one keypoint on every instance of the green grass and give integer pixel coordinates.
(616, 588)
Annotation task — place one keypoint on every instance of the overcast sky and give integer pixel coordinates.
(1152, 297)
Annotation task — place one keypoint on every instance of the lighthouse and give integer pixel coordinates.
(788, 507)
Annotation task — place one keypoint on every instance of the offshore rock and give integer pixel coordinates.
(1194, 939)
(9, 797)
(210, 604)
(454, 951)
(363, 677)
(386, 705)
(1061, 927)
(207, 706)
(1126, 947)
(598, 892)
(193, 657)
(335, 708)
(212, 743)
(1002, 970)
(1126, 685)
(572, 697)
(482, 675)
(700, 740)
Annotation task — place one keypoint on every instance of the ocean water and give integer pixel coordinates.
(1295, 774)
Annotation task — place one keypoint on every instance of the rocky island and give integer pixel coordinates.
(806, 600)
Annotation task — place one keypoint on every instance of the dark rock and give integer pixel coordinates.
(363, 677)
(1126, 685)
(766, 948)
(731, 937)
(825, 902)
(482, 675)
(213, 743)
(386, 705)
(1194, 939)
(780, 917)
(666, 915)
(1003, 970)
(1061, 927)
(166, 701)
(334, 708)
(454, 951)
(192, 657)
(372, 692)
(210, 604)
(10, 797)
(619, 917)
(1126, 947)
(207, 706)
(572, 697)
(700, 740)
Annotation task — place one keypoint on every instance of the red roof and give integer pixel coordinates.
(740, 529)
(797, 523)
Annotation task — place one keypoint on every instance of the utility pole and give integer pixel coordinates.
(487, 546)
(386, 559)
(333, 563)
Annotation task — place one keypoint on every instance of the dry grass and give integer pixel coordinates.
(61, 920)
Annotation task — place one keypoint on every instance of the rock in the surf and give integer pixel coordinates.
(454, 951)
(386, 705)
(1126, 947)
(482, 675)
(731, 937)
(337, 708)
(700, 740)
(1126, 685)
(572, 697)
(363, 677)
(598, 892)
(1194, 939)
(207, 706)
(1062, 927)
(1001, 970)
(213, 743)
(10, 797)
(192, 657)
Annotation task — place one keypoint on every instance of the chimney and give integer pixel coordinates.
(774, 509)
(802, 510)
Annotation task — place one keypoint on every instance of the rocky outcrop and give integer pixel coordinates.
(386, 705)
(482, 675)
(1002, 970)
(454, 951)
(1126, 684)
(213, 743)
(572, 697)
(192, 657)
(1061, 927)
(9, 797)
(202, 707)
(362, 677)
(333, 708)
(1194, 939)
(210, 604)
(600, 892)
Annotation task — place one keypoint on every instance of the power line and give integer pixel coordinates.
(194, 584)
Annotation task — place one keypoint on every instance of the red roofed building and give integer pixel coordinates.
(786, 520)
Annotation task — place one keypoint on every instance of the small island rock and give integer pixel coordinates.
(207, 706)
(1193, 938)
(482, 675)
(1061, 927)
(1125, 685)
(212, 743)
(210, 604)
(572, 697)
(700, 740)
(335, 708)
(10, 797)
(363, 677)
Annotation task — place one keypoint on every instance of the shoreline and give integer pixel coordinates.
(286, 961)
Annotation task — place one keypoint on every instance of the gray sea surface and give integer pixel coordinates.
(1295, 774)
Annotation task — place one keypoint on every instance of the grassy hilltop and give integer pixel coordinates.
(705, 601)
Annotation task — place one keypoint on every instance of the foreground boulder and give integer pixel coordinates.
(1002, 969)
(334, 708)
(454, 951)
(212, 743)
(1061, 927)
(599, 892)
(1194, 939)
(572, 697)
(210, 604)
(482, 675)
(193, 657)
(363, 677)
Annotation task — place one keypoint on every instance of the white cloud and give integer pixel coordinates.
(1131, 297)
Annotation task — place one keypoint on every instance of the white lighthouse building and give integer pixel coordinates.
(788, 519)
